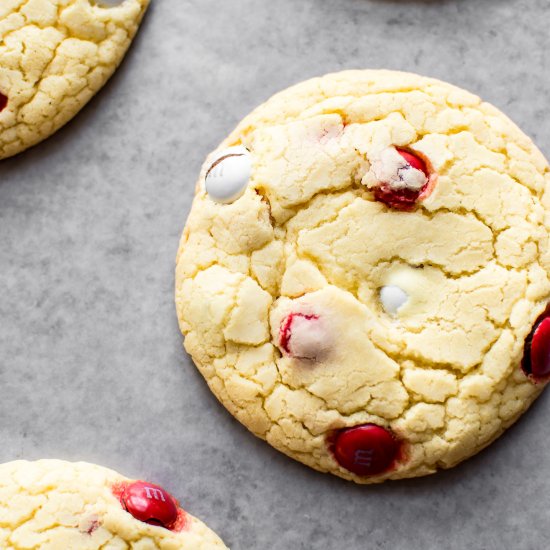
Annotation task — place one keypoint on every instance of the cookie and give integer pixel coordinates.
(52, 505)
(54, 56)
(364, 274)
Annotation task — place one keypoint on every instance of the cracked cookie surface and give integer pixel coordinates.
(54, 56)
(57, 505)
(310, 244)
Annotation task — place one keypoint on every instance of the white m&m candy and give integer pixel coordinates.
(228, 176)
(393, 298)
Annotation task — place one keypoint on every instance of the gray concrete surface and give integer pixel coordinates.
(91, 365)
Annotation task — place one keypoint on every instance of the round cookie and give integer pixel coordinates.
(54, 56)
(372, 300)
(52, 504)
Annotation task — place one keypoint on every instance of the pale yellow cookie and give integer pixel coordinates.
(54, 56)
(57, 505)
(365, 257)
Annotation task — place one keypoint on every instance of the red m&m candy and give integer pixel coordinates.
(3, 101)
(366, 450)
(403, 198)
(150, 503)
(302, 336)
(536, 359)
(414, 161)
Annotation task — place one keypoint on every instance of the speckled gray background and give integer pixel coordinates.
(91, 365)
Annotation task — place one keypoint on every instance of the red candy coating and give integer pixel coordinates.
(540, 350)
(536, 359)
(150, 503)
(3, 101)
(414, 161)
(285, 331)
(366, 450)
(403, 199)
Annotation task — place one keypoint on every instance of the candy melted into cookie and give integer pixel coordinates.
(371, 302)
(54, 504)
(54, 56)
(228, 175)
